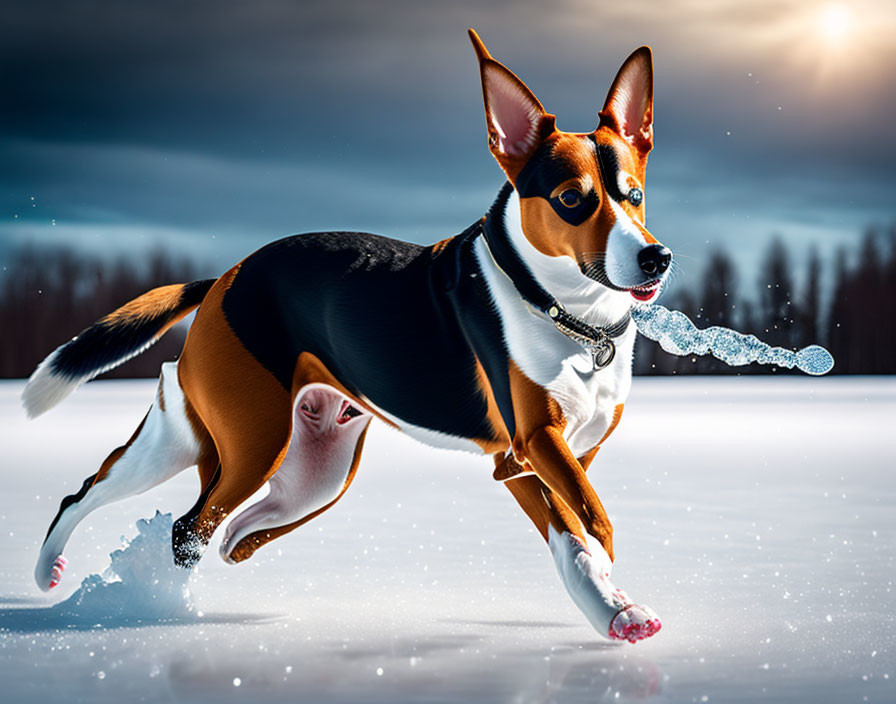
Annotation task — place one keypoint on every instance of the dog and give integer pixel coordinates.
(512, 338)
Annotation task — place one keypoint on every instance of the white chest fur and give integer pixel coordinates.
(587, 398)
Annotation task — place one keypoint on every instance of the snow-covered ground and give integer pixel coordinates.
(756, 515)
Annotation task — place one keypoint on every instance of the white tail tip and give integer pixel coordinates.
(45, 388)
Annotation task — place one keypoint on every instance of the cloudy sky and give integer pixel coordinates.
(214, 127)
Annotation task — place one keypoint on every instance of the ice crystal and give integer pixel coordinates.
(678, 335)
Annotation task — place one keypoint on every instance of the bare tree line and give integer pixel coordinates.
(49, 295)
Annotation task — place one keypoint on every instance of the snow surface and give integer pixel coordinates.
(755, 515)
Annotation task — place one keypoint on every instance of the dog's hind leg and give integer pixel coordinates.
(247, 411)
(233, 482)
(248, 459)
(165, 443)
(324, 451)
(583, 565)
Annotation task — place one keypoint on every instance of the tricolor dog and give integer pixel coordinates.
(512, 338)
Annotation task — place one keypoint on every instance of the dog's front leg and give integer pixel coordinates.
(547, 453)
(583, 565)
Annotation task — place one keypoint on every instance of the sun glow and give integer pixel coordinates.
(834, 42)
(834, 23)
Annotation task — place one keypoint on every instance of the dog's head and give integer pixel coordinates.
(581, 195)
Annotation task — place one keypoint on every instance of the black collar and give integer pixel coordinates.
(598, 339)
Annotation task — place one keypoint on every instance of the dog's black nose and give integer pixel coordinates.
(654, 259)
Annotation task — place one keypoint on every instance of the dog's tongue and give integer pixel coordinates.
(643, 296)
(678, 335)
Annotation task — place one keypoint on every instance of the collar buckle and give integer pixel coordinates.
(603, 355)
(596, 339)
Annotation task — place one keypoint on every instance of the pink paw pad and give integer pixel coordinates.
(58, 569)
(634, 623)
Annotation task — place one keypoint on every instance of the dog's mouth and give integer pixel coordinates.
(643, 293)
(646, 292)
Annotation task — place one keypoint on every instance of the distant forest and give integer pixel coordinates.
(48, 295)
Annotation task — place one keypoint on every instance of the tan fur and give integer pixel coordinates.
(245, 409)
(150, 304)
(207, 462)
(500, 440)
(617, 416)
(539, 444)
(506, 467)
(544, 507)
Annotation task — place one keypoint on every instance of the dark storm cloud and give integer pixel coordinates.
(248, 121)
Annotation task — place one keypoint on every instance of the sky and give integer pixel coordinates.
(215, 127)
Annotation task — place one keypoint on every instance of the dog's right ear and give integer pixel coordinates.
(516, 122)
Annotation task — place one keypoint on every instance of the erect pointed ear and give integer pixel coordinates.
(515, 120)
(628, 109)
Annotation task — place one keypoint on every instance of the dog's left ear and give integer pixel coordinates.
(628, 109)
(516, 122)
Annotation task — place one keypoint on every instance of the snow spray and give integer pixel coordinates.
(141, 584)
(678, 335)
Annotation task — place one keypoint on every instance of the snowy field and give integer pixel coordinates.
(755, 515)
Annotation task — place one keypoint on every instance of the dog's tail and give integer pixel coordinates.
(109, 342)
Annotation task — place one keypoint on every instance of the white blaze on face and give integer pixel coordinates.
(625, 241)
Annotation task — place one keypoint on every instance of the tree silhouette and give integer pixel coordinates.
(810, 310)
(717, 304)
(776, 308)
(886, 307)
(839, 326)
(49, 295)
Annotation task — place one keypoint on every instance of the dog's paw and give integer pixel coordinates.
(48, 578)
(633, 623)
(59, 565)
(240, 552)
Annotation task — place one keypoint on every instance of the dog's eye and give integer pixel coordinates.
(570, 197)
(635, 196)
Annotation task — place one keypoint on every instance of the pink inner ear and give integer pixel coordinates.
(630, 101)
(513, 115)
(637, 105)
